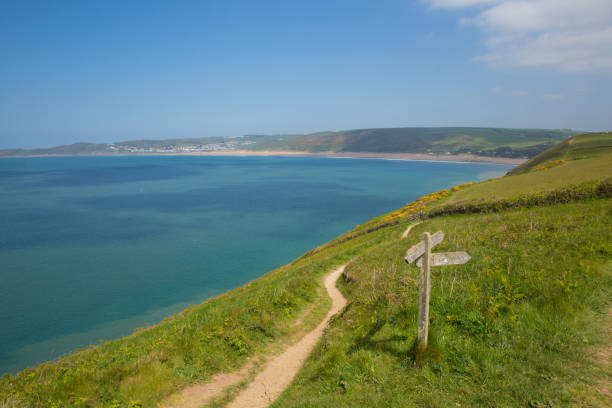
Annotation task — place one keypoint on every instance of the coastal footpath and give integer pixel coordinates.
(525, 323)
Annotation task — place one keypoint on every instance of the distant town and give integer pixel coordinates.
(485, 142)
(175, 148)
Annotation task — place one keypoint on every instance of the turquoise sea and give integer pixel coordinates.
(94, 247)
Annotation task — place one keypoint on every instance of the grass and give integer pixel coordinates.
(495, 142)
(518, 325)
(579, 147)
(587, 158)
(479, 141)
(218, 335)
(512, 327)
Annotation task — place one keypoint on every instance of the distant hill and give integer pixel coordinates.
(138, 146)
(492, 142)
(591, 145)
(580, 159)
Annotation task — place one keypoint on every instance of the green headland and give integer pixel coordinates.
(525, 323)
(487, 142)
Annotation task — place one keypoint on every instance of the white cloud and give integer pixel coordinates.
(570, 35)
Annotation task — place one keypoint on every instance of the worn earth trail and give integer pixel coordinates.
(278, 373)
(604, 358)
(405, 233)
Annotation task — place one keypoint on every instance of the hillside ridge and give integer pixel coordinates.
(487, 142)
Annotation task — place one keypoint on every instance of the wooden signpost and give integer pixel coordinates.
(421, 253)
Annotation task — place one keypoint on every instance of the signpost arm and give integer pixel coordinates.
(424, 290)
(421, 253)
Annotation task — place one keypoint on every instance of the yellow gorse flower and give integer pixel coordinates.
(419, 204)
(549, 165)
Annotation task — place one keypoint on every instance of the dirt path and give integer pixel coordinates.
(197, 395)
(279, 372)
(276, 375)
(604, 357)
(405, 234)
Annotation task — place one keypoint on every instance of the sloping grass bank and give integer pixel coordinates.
(514, 327)
(218, 335)
(586, 158)
(578, 147)
(573, 193)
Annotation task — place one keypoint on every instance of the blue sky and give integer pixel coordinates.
(104, 71)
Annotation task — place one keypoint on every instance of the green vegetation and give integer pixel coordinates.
(575, 148)
(202, 144)
(76, 148)
(514, 327)
(520, 325)
(586, 158)
(568, 194)
(492, 142)
(218, 335)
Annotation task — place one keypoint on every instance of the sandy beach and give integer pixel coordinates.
(362, 155)
(468, 158)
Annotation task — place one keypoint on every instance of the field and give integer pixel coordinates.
(579, 159)
(525, 323)
(517, 326)
(492, 142)
(588, 146)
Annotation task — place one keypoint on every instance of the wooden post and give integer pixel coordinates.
(424, 290)
(421, 254)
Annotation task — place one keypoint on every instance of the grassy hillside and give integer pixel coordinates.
(579, 159)
(520, 325)
(580, 147)
(517, 326)
(218, 335)
(523, 324)
(110, 148)
(478, 141)
(76, 148)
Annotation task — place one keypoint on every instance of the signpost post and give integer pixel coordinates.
(421, 253)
